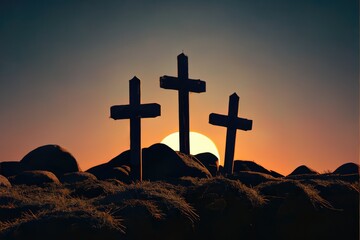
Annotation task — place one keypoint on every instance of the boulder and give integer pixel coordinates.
(11, 168)
(347, 168)
(251, 166)
(303, 170)
(77, 177)
(4, 182)
(122, 159)
(126, 168)
(51, 158)
(210, 161)
(101, 171)
(159, 161)
(35, 177)
(221, 170)
(242, 165)
(109, 171)
(276, 174)
(252, 178)
(122, 174)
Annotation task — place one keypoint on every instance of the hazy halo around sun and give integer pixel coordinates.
(199, 143)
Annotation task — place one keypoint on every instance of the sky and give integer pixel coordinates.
(294, 64)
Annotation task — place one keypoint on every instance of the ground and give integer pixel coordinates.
(248, 206)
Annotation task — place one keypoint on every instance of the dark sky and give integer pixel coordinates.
(294, 64)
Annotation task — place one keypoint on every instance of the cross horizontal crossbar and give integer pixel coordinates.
(225, 121)
(149, 110)
(174, 83)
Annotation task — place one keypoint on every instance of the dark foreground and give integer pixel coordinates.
(250, 207)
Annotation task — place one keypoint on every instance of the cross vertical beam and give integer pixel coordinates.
(135, 131)
(232, 122)
(231, 134)
(184, 126)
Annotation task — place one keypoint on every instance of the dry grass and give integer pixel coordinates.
(160, 198)
(252, 179)
(94, 188)
(223, 187)
(40, 210)
(187, 208)
(289, 188)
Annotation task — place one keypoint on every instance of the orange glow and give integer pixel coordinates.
(278, 141)
(199, 143)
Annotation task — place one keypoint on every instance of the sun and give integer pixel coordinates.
(199, 143)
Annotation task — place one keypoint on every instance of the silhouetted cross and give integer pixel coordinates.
(232, 122)
(135, 111)
(184, 85)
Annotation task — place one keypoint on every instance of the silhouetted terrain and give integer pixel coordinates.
(183, 200)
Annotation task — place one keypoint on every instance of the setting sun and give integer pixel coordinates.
(199, 143)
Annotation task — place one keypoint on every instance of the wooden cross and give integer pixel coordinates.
(232, 122)
(135, 111)
(184, 85)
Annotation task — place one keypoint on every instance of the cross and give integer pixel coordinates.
(184, 85)
(135, 111)
(232, 122)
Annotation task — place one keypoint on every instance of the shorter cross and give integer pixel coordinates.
(232, 122)
(135, 111)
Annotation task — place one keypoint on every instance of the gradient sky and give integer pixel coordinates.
(294, 64)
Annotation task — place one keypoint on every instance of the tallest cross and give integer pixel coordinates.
(184, 85)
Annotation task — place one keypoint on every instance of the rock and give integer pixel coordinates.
(51, 158)
(100, 171)
(126, 168)
(107, 171)
(11, 168)
(210, 161)
(221, 170)
(4, 182)
(251, 166)
(36, 177)
(122, 174)
(251, 179)
(276, 174)
(242, 165)
(303, 170)
(122, 159)
(347, 168)
(160, 162)
(77, 177)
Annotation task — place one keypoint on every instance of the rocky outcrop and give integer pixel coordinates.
(52, 158)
